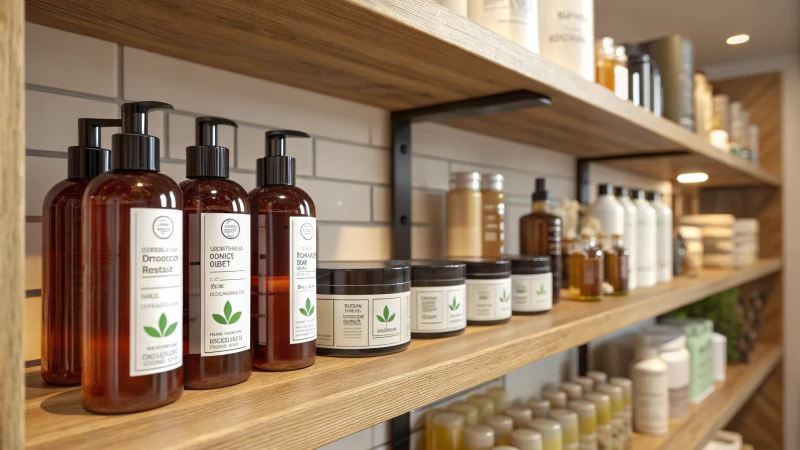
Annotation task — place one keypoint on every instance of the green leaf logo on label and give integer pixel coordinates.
(386, 317)
(541, 290)
(454, 306)
(504, 298)
(308, 310)
(228, 319)
(163, 330)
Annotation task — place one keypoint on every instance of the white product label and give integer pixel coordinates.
(646, 250)
(438, 309)
(156, 282)
(651, 402)
(363, 321)
(303, 290)
(488, 300)
(566, 34)
(223, 264)
(532, 293)
(513, 19)
(664, 245)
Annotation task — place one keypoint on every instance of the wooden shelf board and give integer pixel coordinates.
(706, 418)
(337, 397)
(394, 55)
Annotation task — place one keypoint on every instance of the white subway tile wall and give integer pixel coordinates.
(345, 167)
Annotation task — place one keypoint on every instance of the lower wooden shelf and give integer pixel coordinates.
(337, 397)
(719, 408)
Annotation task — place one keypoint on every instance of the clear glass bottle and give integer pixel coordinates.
(464, 216)
(616, 258)
(586, 276)
(605, 61)
(540, 234)
(282, 219)
(493, 215)
(62, 269)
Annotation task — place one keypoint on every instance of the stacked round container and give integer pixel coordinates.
(532, 284)
(438, 294)
(488, 291)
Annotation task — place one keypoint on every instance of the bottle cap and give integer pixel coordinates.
(573, 390)
(603, 404)
(597, 376)
(627, 389)
(567, 418)
(492, 182)
(87, 159)
(487, 268)
(615, 395)
(498, 394)
(448, 420)
(621, 191)
(539, 406)
(424, 270)
(558, 399)
(478, 437)
(541, 193)
(470, 412)
(484, 404)
(276, 167)
(652, 196)
(605, 189)
(529, 264)
(502, 425)
(465, 180)
(587, 416)
(637, 193)
(550, 429)
(525, 439)
(586, 383)
(133, 148)
(206, 159)
(520, 414)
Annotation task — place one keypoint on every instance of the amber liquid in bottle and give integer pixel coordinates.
(271, 208)
(62, 278)
(591, 268)
(208, 195)
(493, 234)
(616, 266)
(107, 386)
(540, 234)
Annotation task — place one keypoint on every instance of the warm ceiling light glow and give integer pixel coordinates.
(738, 39)
(692, 177)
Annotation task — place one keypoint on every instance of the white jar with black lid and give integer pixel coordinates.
(488, 291)
(438, 299)
(363, 308)
(531, 284)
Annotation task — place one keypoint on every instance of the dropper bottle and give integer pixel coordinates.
(133, 286)
(62, 270)
(284, 261)
(216, 277)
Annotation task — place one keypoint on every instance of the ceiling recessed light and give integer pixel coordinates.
(738, 39)
(698, 177)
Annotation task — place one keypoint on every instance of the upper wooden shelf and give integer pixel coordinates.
(338, 396)
(706, 418)
(399, 54)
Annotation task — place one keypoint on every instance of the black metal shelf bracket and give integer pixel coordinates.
(401, 148)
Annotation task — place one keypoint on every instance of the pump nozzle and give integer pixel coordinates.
(134, 149)
(206, 158)
(276, 141)
(276, 167)
(89, 130)
(134, 115)
(206, 129)
(88, 159)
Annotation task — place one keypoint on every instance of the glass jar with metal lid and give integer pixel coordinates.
(363, 308)
(464, 217)
(488, 291)
(438, 294)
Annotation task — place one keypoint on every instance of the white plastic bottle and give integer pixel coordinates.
(608, 211)
(566, 34)
(515, 20)
(629, 235)
(645, 240)
(664, 240)
(650, 393)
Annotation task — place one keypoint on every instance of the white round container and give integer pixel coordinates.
(650, 393)
(671, 344)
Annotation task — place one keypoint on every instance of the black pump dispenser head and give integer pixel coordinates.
(605, 189)
(652, 196)
(134, 149)
(276, 167)
(88, 159)
(206, 159)
(541, 194)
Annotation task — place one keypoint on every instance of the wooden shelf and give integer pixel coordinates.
(337, 397)
(719, 408)
(400, 54)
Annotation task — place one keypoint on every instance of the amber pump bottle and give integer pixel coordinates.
(216, 266)
(284, 263)
(133, 282)
(62, 274)
(540, 234)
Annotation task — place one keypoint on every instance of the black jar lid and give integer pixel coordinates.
(363, 273)
(487, 267)
(529, 264)
(433, 270)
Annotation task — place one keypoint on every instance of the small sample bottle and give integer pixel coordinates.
(428, 419)
(469, 411)
(618, 431)
(216, 246)
(478, 437)
(646, 238)
(447, 431)
(540, 234)
(556, 397)
(650, 393)
(586, 383)
(132, 252)
(484, 404)
(493, 211)
(502, 426)
(62, 269)
(552, 436)
(603, 404)
(597, 376)
(500, 398)
(605, 61)
(629, 235)
(586, 277)
(526, 439)
(664, 240)
(627, 402)
(488, 291)
(284, 262)
(464, 216)
(573, 390)
(616, 259)
(569, 427)
(540, 407)
(438, 299)
(621, 72)
(640, 80)
(587, 423)
(531, 284)
(521, 415)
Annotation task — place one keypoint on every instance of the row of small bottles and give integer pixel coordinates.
(633, 77)
(135, 264)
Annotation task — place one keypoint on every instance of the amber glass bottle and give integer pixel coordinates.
(284, 261)
(615, 260)
(588, 271)
(62, 273)
(132, 250)
(216, 266)
(540, 234)
(605, 62)
(493, 216)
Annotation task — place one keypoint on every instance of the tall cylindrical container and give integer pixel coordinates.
(671, 344)
(493, 216)
(664, 239)
(609, 212)
(646, 239)
(464, 204)
(566, 34)
(515, 20)
(650, 393)
(629, 235)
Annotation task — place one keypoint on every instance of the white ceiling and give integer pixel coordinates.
(773, 25)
